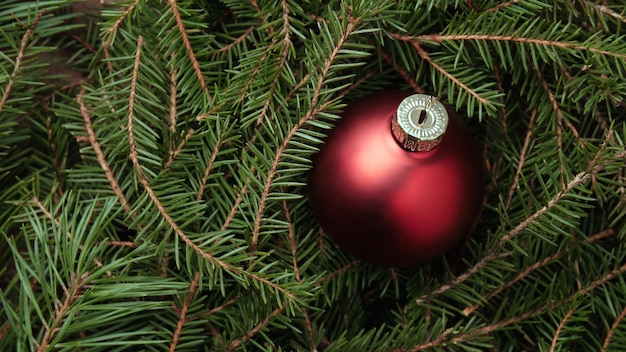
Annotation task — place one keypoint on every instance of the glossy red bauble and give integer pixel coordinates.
(387, 205)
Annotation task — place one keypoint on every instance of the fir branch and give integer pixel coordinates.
(209, 167)
(183, 311)
(522, 157)
(424, 55)
(533, 267)
(237, 343)
(155, 200)
(128, 244)
(110, 32)
(293, 246)
(559, 116)
(172, 116)
(503, 5)
(143, 179)
(192, 56)
(614, 327)
(95, 145)
(235, 207)
(283, 59)
(494, 253)
(553, 346)
(401, 71)
(58, 167)
(20, 56)
(438, 38)
(5, 329)
(221, 307)
(179, 148)
(607, 11)
(71, 295)
(339, 271)
(237, 40)
(315, 109)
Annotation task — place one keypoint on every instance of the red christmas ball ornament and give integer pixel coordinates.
(399, 180)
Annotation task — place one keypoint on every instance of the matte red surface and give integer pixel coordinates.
(389, 206)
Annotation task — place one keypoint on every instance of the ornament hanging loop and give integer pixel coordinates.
(419, 123)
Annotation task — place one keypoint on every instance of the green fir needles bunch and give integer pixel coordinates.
(154, 158)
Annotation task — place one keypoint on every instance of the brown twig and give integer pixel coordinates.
(117, 24)
(438, 38)
(607, 11)
(95, 145)
(172, 115)
(183, 311)
(502, 5)
(611, 332)
(522, 157)
(530, 269)
(338, 272)
(190, 52)
(310, 114)
(559, 328)
(236, 343)
(293, 246)
(424, 55)
(134, 157)
(209, 167)
(19, 58)
(71, 296)
(416, 88)
(579, 179)
(221, 307)
(283, 59)
(238, 40)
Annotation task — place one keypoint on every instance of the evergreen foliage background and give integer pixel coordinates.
(155, 199)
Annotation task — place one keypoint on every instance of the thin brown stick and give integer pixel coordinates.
(579, 179)
(522, 157)
(310, 114)
(559, 328)
(179, 149)
(502, 5)
(236, 343)
(19, 58)
(134, 157)
(530, 269)
(293, 246)
(238, 40)
(283, 59)
(416, 88)
(438, 341)
(611, 332)
(183, 311)
(5, 329)
(438, 38)
(190, 52)
(607, 11)
(95, 145)
(117, 24)
(128, 244)
(172, 115)
(338, 272)
(58, 167)
(209, 167)
(70, 297)
(424, 55)
(221, 307)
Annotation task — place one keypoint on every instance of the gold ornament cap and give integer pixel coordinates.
(419, 123)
